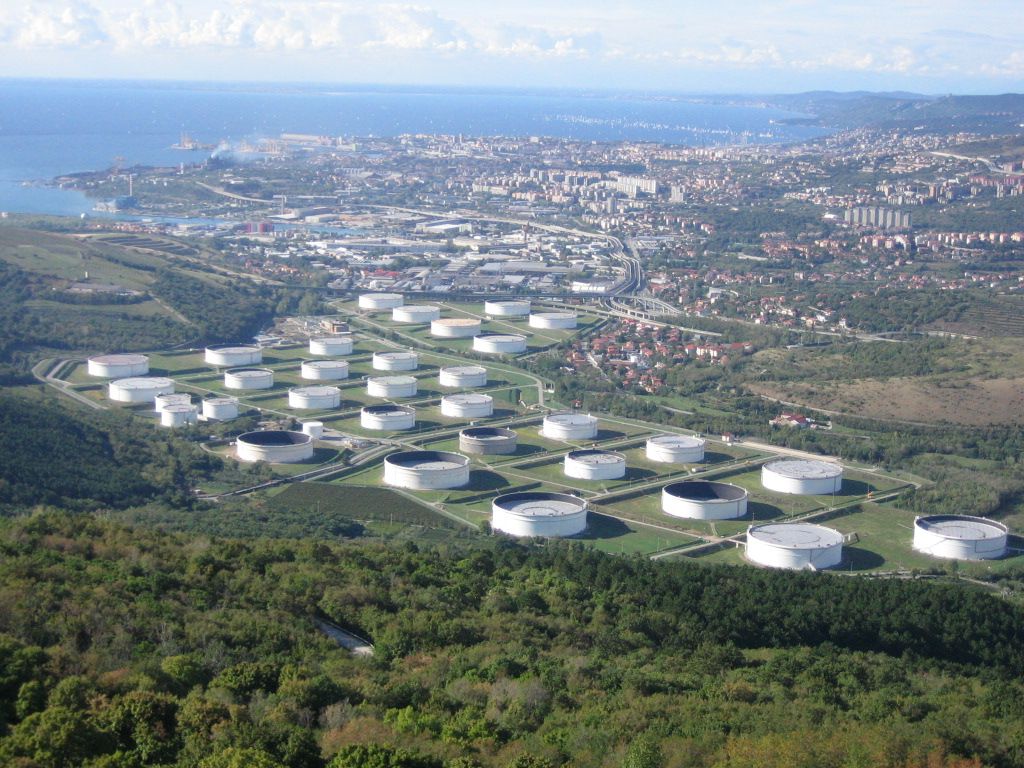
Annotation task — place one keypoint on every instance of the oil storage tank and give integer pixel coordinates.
(507, 308)
(178, 415)
(454, 327)
(391, 386)
(314, 429)
(426, 470)
(395, 361)
(499, 343)
(314, 398)
(704, 500)
(592, 464)
(415, 313)
(117, 366)
(794, 545)
(142, 389)
(387, 417)
(463, 376)
(675, 449)
(569, 426)
(799, 476)
(248, 378)
(960, 537)
(539, 513)
(171, 398)
(329, 346)
(488, 441)
(276, 446)
(233, 355)
(553, 321)
(379, 301)
(220, 408)
(468, 405)
(324, 370)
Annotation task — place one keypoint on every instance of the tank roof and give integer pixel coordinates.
(705, 490)
(468, 398)
(272, 437)
(596, 456)
(246, 372)
(325, 363)
(501, 337)
(965, 527)
(142, 382)
(796, 535)
(315, 391)
(677, 441)
(570, 418)
(394, 355)
(488, 433)
(464, 369)
(388, 408)
(126, 358)
(540, 504)
(392, 379)
(804, 469)
(457, 321)
(428, 460)
(233, 347)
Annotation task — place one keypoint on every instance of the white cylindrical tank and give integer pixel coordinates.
(499, 344)
(488, 441)
(592, 464)
(387, 417)
(960, 537)
(395, 361)
(276, 446)
(314, 429)
(467, 406)
(324, 370)
(553, 320)
(314, 398)
(415, 313)
(143, 389)
(463, 376)
(507, 308)
(118, 366)
(704, 500)
(794, 546)
(569, 426)
(426, 470)
(172, 398)
(233, 355)
(539, 513)
(220, 408)
(178, 415)
(799, 476)
(675, 449)
(377, 301)
(248, 378)
(329, 346)
(391, 386)
(454, 328)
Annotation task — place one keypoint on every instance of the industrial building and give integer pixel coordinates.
(415, 313)
(488, 441)
(539, 513)
(248, 378)
(499, 343)
(426, 470)
(379, 301)
(704, 500)
(117, 366)
(675, 449)
(233, 355)
(330, 346)
(553, 320)
(314, 398)
(387, 417)
(795, 546)
(324, 370)
(395, 361)
(960, 537)
(391, 386)
(593, 464)
(454, 328)
(803, 477)
(569, 426)
(463, 376)
(141, 389)
(467, 406)
(276, 446)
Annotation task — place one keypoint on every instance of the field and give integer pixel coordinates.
(363, 505)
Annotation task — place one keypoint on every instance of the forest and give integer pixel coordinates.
(127, 647)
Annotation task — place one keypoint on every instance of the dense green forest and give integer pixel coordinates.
(123, 647)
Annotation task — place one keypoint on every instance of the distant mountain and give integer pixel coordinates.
(1003, 113)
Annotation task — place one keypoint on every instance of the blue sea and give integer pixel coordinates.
(49, 127)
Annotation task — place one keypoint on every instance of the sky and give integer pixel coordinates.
(691, 46)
